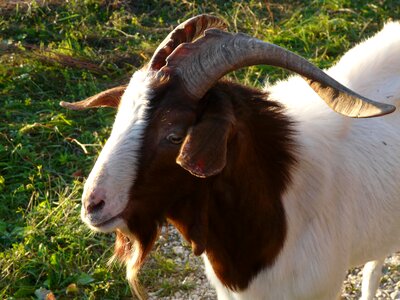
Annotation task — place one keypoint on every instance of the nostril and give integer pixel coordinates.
(96, 201)
(95, 207)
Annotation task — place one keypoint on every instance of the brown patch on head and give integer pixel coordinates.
(242, 146)
(238, 210)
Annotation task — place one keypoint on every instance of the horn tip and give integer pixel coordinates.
(369, 111)
(69, 105)
(385, 109)
(64, 104)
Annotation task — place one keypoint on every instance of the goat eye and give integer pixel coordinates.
(175, 139)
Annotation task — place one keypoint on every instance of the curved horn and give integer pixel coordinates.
(186, 32)
(201, 63)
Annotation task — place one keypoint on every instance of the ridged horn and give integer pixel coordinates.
(201, 63)
(186, 32)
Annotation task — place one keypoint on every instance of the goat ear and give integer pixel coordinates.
(204, 150)
(108, 98)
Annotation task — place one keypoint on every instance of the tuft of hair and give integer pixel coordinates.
(131, 251)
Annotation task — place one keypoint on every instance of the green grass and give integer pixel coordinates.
(56, 50)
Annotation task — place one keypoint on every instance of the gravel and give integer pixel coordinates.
(196, 286)
(191, 276)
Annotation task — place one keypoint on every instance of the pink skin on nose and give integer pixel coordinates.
(96, 200)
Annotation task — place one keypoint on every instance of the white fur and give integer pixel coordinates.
(343, 207)
(116, 167)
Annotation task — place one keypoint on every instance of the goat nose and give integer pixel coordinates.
(96, 202)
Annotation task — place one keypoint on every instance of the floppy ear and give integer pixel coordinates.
(204, 150)
(108, 98)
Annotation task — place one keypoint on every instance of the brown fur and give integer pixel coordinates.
(235, 214)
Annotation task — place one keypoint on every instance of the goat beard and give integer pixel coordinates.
(132, 250)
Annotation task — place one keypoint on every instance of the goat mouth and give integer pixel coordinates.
(109, 225)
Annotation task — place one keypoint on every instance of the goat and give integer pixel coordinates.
(280, 194)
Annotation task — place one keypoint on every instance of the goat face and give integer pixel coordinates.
(158, 142)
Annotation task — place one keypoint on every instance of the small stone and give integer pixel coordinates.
(178, 250)
(395, 295)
